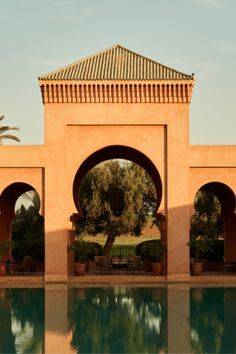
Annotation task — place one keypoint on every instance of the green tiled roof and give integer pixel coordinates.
(116, 63)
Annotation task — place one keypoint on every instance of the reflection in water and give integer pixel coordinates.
(21, 321)
(213, 320)
(118, 320)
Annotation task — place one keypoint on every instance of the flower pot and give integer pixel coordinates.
(147, 265)
(3, 269)
(80, 268)
(157, 268)
(196, 268)
(91, 265)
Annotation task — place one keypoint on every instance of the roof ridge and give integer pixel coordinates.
(81, 60)
(154, 61)
(110, 49)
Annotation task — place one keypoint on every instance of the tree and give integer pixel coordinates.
(6, 128)
(116, 197)
(207, 221)
(28, 233)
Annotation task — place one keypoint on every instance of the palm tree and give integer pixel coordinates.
(4, 129)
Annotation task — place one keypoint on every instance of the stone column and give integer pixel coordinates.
(178, 214)
(56, 234)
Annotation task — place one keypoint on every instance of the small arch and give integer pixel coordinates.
(8, 199)
(222, 224)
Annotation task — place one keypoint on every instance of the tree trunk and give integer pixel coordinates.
(108, 245)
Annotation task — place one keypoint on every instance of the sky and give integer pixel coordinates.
(197, 36)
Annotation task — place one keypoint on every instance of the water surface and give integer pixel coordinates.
(119, 319)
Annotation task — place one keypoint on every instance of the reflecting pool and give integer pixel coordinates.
(120, 319)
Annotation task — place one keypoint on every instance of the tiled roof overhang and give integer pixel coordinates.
(116, 63)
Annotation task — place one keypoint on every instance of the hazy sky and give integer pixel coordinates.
(38, 36)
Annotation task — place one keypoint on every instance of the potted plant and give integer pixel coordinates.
(94, 249)
(80, 248)
(198, 246)
(156, 257)
(4, 248)
(154, 252)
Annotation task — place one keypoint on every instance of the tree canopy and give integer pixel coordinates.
(207, 221)
(116, 197)
(28, 233)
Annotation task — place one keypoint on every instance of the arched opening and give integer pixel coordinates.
(117, 152)
(116, 164)
(22, 224)
(215, 221)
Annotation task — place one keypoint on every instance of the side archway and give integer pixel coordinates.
(8, 213)
(226, 198)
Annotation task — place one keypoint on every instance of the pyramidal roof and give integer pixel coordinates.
(116, 63)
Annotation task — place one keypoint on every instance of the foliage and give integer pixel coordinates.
(200, 245)
(216, 253)
(94, 249)
(4, 129)
(85, 250)
(206, 221)
(81, 249)
(28, 233)
(152, 249)
(34, 248)
(4, 247)
(206, 224)
(116, 197)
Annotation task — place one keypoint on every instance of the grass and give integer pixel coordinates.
(123, 240)
(125, 244)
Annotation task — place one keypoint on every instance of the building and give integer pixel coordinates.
(118, 104)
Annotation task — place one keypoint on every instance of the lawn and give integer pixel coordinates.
(124, 245)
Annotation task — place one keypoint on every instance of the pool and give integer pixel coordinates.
(118, 319)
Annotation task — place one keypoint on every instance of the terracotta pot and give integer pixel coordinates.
(91, 265)
(80, 268)
(3, 269)
(196, 268)
(157, 268)
(147, 265)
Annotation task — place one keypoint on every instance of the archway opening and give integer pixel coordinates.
(22, 224)
(117, 152)
(214, 223)
(117, 192)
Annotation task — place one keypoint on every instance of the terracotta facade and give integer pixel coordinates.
(147, 121)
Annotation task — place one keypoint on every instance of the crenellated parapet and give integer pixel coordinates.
(116, 92)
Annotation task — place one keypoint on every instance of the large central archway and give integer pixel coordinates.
(117, 152)
(122, 152)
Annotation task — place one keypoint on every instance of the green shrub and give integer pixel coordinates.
(217, 253)
(144, 249)
(94, 249)
(33, 248)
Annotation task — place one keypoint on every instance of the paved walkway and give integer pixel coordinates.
(35, 281)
